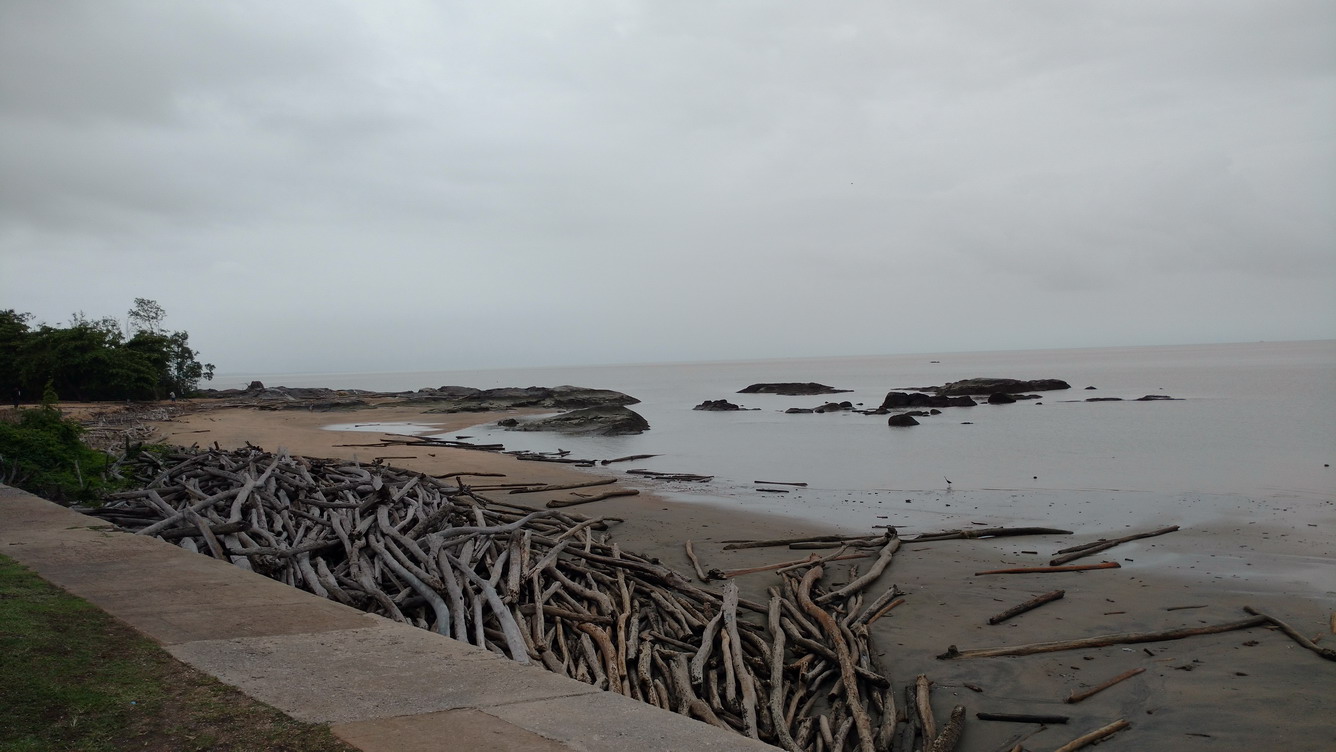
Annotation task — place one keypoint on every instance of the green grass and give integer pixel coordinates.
(73, 678)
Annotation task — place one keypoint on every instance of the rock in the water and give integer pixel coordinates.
(1000, 398)
(463, 399)
(1155, 398)
(610, 420)
(897, 400)
(834, 407)
(903, 419)
(1008, 386)
(508, 422)
(1104, 399)
(718, 405)
(795, 410)
(792, 389)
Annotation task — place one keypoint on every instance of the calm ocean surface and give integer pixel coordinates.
(1254, 419)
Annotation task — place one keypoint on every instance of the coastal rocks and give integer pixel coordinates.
(898, 400)
(994, 386)
(605, 420)
(902, 420)
(792, 389)
(1147, 398)
(462, 399)
(829, 407)
(1000, 398)
(718, 405)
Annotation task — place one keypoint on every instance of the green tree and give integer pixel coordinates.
(91, 359)
(44, 454)
(14, 334)
(146, 316)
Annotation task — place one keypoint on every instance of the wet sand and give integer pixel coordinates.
(1252, 689)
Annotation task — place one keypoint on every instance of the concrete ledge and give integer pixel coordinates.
(384, 686)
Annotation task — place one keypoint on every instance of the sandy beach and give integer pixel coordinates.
(1248, 689)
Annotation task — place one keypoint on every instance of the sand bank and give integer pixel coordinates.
(1252, 689)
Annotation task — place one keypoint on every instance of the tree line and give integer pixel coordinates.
(97, 359)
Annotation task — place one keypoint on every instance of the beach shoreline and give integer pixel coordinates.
(1233, 690)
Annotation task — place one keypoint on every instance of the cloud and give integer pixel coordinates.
(592, 182)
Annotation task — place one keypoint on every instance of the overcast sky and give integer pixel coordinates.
(386, 186)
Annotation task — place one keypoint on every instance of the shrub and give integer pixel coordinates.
(43, 453)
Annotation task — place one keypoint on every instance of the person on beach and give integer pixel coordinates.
(18, 395)
(172, 395)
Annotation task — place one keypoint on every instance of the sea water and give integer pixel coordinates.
(1246, 420)
(1253, 418)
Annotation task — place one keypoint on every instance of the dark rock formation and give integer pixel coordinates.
(1156, 398)
(462, 399)
(1104, 399)
(903, 419)
(792, 389)
(1008, 386)
(795, 410)
(607, 420)
(718, 405)
(897, 400)
(834, 407)
(255, 386)
(1000, 398)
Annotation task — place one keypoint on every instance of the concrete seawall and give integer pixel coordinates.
(382, 686)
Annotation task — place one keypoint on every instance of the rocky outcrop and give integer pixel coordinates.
(718, 405)
(829, 407)
(902, 420)
(792, 389)
(607, 420)
(1005, 386)
(899, 400)
(1157, 398)
(463, 399)
(318, 399)
(1000, 398)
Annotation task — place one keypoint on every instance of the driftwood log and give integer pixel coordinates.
(539, 586)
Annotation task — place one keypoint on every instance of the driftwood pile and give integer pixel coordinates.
(543, 586)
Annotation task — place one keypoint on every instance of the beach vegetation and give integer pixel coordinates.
(43, 452)
(73, 678)
(96, 359)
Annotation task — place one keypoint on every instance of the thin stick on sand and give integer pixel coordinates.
(1124, 638)
(1079, 696)
(1076, 552)
(1037, 570)
(695, 563)
(1029, 605)
(1294, 634)
(1094, 736)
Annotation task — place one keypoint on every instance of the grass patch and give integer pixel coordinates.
(73, 678)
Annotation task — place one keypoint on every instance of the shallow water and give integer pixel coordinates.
(1257, 418)
(1244, 447)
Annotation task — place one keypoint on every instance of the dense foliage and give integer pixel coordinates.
(42, 453)
(96, 360)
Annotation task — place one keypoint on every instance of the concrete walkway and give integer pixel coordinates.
(382, 686)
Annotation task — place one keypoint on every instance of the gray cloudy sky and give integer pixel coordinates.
(330, 186)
